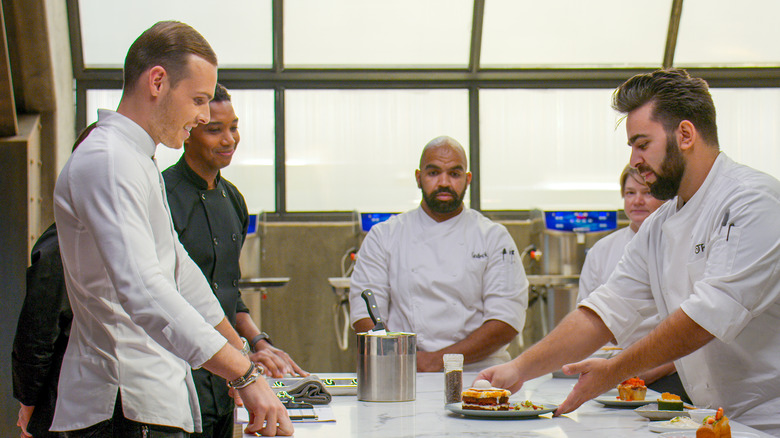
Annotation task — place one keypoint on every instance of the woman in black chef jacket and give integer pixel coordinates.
(211, 218)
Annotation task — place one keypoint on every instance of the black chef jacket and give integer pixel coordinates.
(42, 334)
(212, 225)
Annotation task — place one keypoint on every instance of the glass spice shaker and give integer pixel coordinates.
(453, 378)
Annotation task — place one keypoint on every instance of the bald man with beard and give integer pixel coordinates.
(443, 270)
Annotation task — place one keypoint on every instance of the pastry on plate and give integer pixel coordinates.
(633, 389)
(715, 426)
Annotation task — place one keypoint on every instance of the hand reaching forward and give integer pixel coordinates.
(596, 377)
(505, 376)
(277, 363)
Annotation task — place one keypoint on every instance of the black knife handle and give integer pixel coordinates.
(373, 310)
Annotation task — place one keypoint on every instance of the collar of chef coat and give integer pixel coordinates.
(138, 136)
(191, 175)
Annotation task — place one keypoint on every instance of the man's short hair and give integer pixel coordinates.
(676, 96)
(167, 44)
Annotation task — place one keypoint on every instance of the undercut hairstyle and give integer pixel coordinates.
(676, 96)
(167, 44)
(221, 94)
(633, 173)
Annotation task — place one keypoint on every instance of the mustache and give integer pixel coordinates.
(444, 190)
(644, 168)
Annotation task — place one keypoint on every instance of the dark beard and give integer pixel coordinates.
(668, 180)
(437, 206)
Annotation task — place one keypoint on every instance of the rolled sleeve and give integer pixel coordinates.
(180, 332)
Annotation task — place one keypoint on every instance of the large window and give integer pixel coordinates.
(337, 97)
(594, 33)
(358, 149)
(544, 148)
(108, 28)
(398, 33)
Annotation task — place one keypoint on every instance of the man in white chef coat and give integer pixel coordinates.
(143, 314)
(443, 271)
(708, 261)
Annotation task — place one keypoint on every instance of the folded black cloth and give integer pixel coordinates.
(303, 390)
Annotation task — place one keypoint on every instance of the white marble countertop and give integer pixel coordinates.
(427, 417)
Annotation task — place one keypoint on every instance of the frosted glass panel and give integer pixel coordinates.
(550, 148)
(377, 33)
(238, 30)
(728, 33)
(574, 33)
(252, 168)
(358, 149)
(748, 130)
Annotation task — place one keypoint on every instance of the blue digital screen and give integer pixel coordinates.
(368, 220)
(252, 224)
(580, 221)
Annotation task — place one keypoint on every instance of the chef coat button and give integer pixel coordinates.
(203, 196)
(216, 285)
(223, 194)
(235, 283)
(234, 237)
(216, 242)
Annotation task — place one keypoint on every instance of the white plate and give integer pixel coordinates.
(668, 426)
(651, 412)
(456, 408)
(692, 434)
(610, 398)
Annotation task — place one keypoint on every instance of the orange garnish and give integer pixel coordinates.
(669, 396)
(634, 381)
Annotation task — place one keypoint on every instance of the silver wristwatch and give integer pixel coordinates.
(245, 349)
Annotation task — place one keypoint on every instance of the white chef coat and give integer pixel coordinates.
(441, 280)
(602, 259)
(724, 277)
(600, 262)
(143, 313)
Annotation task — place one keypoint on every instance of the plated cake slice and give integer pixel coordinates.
(482, 396)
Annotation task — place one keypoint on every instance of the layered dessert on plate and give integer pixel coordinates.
(670, 402)
(484, 397)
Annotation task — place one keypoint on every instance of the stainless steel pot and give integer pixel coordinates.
(387, 367)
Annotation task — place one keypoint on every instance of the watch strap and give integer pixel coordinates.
(260, 337)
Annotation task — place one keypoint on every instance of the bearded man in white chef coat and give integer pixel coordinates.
(708, 262)
(443, 271)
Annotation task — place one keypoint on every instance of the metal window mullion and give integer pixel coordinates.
(672, 33)
(475, 195)
(280, 167)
